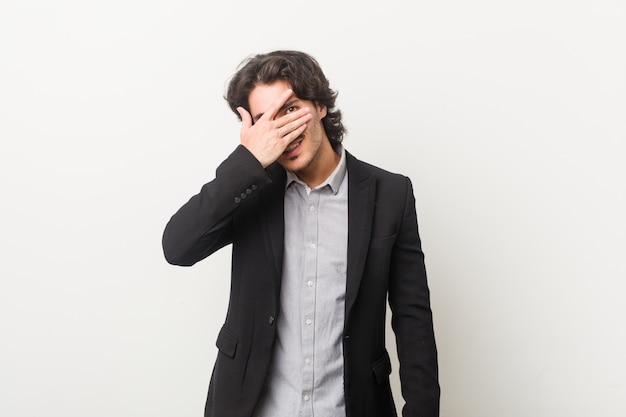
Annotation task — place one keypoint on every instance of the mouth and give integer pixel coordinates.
(293, 147)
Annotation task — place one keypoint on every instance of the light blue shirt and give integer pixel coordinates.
(306, 374)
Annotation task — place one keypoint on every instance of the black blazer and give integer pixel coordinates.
(243, 205)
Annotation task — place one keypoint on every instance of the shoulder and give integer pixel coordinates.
(361, 168)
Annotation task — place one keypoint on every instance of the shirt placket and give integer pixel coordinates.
(308, 295)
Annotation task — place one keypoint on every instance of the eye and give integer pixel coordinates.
(290, 109)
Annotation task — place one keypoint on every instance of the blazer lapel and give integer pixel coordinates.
(273, 201)
(361, 197)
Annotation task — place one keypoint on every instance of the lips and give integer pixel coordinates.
(293, 146)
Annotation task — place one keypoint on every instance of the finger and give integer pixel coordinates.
(289, 137)
(289, 118)
(294, 124)
(246, 119)
(278, 104)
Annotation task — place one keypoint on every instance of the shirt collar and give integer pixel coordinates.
(333, 181)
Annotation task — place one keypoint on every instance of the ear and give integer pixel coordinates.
(321, 110)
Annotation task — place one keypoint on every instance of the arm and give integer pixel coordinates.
(203, 225)
(409, 300)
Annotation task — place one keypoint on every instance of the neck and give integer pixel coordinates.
(321, 168)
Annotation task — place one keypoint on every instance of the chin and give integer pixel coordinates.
(294, 165)
(290, 166)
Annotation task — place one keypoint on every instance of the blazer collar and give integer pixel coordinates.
(274, 202)
(361, 197)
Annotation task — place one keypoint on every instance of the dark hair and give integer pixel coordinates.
(304, 75)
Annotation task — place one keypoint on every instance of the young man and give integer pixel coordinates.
(320, 240)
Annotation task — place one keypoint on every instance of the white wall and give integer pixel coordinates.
(508, 116)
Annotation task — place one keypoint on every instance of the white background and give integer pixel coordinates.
(509, 117)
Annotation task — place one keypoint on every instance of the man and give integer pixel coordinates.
(320, 240)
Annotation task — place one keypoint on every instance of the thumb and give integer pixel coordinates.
(246, 119)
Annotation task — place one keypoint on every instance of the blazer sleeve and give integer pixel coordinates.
(204, 224)
(409, 300)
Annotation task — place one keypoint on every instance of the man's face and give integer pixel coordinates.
(303, 154)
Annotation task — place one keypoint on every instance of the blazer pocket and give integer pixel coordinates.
(382, 368)
(383, 242)
(227, 342)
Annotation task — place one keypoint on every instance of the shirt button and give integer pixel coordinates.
(311, 208)
(312, 245)
(307, 361)
(307, 398)
(309, 283)
(309, 321)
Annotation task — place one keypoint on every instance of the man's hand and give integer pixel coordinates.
(270, 135)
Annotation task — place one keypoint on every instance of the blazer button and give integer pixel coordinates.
(237, 200)
(254, 187)
(248, 191)
(272, 319)
(243, 195)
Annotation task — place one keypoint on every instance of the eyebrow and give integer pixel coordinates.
(285, 106)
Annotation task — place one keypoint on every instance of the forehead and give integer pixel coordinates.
(264, 95)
